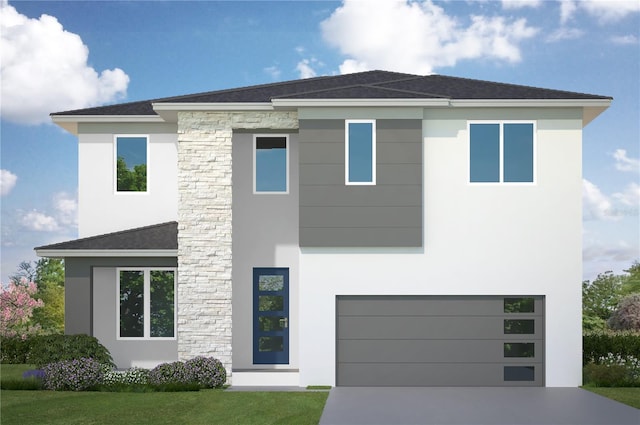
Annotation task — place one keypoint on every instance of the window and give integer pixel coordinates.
(146, 303)
(131, 163)
(501, 152)
(270, 164)
(360, 152)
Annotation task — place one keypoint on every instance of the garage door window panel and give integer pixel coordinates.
(519, 327)
(519, 373)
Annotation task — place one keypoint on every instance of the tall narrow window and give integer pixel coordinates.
(501, 152)
(146, 303)
(360, 152)
(271, 164)
(131, 163)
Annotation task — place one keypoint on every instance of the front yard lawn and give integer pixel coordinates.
(626, 395)
(202, 407)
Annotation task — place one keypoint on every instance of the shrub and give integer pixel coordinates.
(599, 344)
(54, 348)
(21, 384)
(15, 350)
(206, 371)
(75, 375)
(133, 376)
(630, 363)
(627, 314)
(170, 373)
(602, 375)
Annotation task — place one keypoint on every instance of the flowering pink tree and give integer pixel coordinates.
(16, 307)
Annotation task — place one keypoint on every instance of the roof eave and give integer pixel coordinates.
(70, 122)
(591, 107)
(65, 253)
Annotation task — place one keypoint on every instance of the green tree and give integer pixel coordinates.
(48, 274)
(131, 180)
(631, 283)
(599, 300)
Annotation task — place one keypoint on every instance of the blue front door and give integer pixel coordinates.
(271, 315)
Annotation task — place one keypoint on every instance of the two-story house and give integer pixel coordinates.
(370, 229)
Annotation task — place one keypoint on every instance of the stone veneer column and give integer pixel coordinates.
(204, 226)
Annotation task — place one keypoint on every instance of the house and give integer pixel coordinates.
(370, 229)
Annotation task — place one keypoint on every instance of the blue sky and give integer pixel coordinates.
(67, 55)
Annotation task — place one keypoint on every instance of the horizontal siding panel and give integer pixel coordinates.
(360, 217)
(364, 196)
(333, 174)
(360, 237)
(321, 153)
(398, 153)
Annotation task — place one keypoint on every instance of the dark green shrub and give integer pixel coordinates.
(75, 375)
(626, 317)
(22, 384)
(54, 348)
(14, 350)
(599, 344)
(602, 375)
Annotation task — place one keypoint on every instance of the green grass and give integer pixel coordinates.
(626, 395)
(202, 407)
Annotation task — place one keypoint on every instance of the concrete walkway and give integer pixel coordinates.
(466, 406)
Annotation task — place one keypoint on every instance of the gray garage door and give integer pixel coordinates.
(440, 341)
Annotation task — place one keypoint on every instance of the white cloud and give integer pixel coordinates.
(35, 220)
(418, 36)
(605, 11)
(66, 208)
(273, 71)
(630, 196)
(516, 4)
(596, 205)
(44, 69)
(624, 163)
(624, 39)
(305, 69)
(7, 182)
(620, 251)
(565, 34)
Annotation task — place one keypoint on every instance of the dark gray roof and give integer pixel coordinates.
(361, 85)
(157, 237)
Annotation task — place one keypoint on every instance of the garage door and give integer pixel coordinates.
(440, 341)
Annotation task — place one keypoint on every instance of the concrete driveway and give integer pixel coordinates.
(495, 406)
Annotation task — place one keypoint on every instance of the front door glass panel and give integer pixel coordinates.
(271, 315)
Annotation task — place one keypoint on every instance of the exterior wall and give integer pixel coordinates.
(90, 296)
(125, 353)
(478, 240)
(265, 234)
(100, 208)
(388, 213)
(205, 226)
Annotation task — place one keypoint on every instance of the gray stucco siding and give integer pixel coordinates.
(79, 305)
(387, 214)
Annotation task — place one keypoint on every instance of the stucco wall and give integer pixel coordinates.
(265, 234)
(478, 240)
(100, 208)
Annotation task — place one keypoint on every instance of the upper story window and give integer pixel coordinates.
(502, 152)
(131, 163)
(360, 152)
(270, 164)
(146, 303)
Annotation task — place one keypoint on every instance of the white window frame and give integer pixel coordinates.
(501, 124)
(373, 153)
(147, 303)
(287, 153)
(114, 166)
